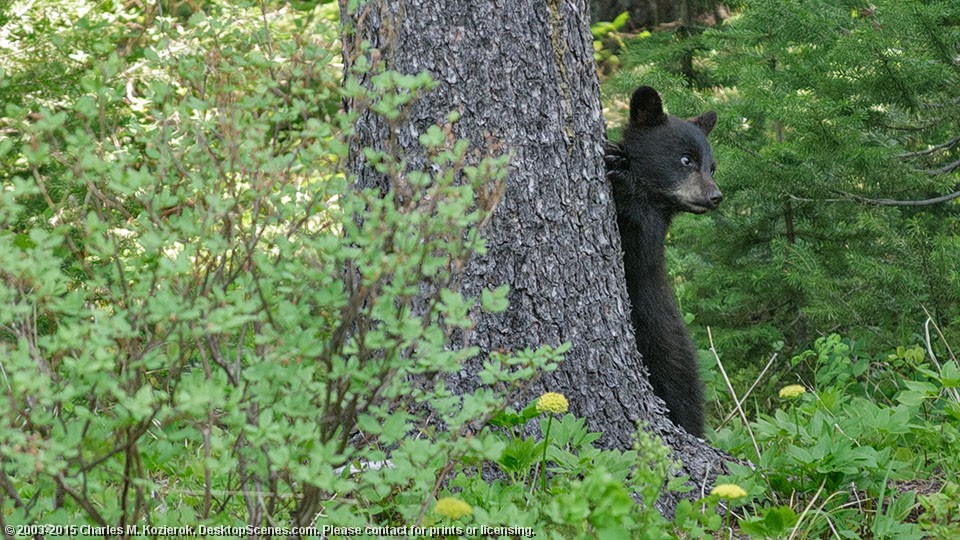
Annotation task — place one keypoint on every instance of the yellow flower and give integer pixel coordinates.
(552, 402)
(452, 507)
(728, 491)
(792, 391)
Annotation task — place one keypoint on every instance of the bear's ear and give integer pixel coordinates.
(646, 109)
(705, 121)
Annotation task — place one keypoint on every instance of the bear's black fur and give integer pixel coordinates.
(663, 166)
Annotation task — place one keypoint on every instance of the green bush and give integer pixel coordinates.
(849, 450)
(203, 322)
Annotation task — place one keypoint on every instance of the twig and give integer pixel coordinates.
(926, 335)
(940, 334)
(892, 202)
(752, 386)
(949, 167)
(933, 357)
(932, 149)
(80, 499)
(743, 415)
(436, 489)
(877, 202)
(806, 511)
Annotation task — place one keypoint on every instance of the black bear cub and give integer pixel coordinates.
(663, 166)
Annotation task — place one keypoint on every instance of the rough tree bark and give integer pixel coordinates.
(521, 74)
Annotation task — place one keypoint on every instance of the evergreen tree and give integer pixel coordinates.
(839, 151)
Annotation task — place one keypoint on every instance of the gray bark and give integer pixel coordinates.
(521, 73)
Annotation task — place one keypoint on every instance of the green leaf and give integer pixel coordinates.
(433, 138)
(950, 375)
(6, 145)
(495, 301)
(519, 455)
(369, 424)
(507, 418)
(395, 427)
(682, 512)
(621, 20)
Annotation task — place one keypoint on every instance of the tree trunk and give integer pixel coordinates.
(521, 74)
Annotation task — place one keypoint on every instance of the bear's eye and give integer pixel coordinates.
(686, 160)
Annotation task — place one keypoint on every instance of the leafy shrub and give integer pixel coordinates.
(204, 323)
(850, 449)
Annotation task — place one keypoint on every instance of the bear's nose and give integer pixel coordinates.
(715, 197)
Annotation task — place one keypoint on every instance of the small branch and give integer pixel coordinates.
(82, 500)
(948, 168)
(806, 511)
(752, 386)
(808, 199)
(936, 105)
(447, 469)
(893, 202)
(949, 144)
(726, 379)
(11, 491)
(933, 357)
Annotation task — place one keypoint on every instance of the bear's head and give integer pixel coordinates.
(666, 160)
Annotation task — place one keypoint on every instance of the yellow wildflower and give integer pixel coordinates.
(792, 391)
(552, 402)
(452, 508)
(728, 491)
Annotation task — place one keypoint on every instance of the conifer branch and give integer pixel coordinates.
(949, 144)
(893, 202)
(847, 197)
(879, 202)
(949, 167)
